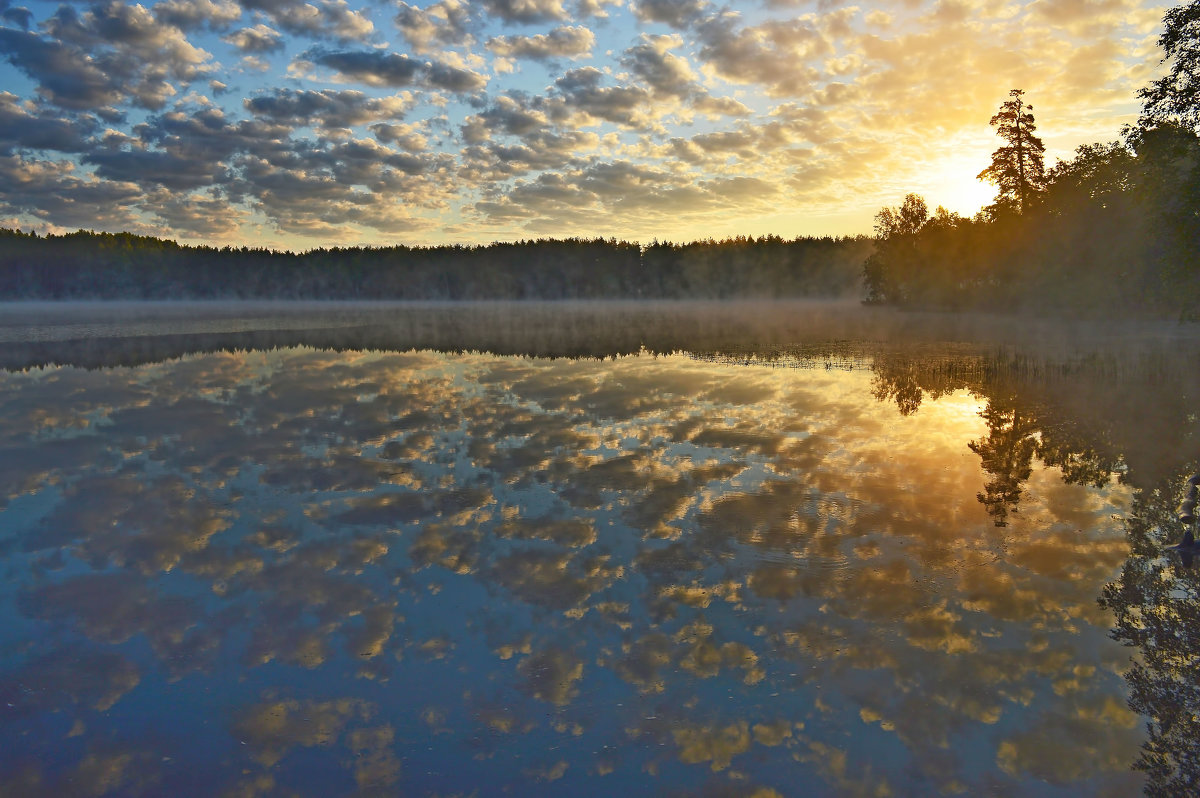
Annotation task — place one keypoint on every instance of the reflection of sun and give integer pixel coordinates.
(962, 408)
(953, 419)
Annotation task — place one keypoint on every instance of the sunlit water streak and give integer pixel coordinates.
(317, 572)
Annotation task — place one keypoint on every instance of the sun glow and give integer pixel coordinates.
(955, 186)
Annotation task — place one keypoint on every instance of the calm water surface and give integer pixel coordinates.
(304, 570)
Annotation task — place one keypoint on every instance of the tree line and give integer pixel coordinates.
(1114, 228)
(91, 265)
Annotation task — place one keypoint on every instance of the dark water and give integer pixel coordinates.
(261, 551)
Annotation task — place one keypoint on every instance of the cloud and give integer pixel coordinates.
(676, 13)
(191, 14)
(154, 167)
(539, 150)
(779, 55)
(562, 42)
(527, 11)
(452, 78)
(52, 191)
(624, 193)
(445, 24)
(512, 115)
(1085, 18)
(110, 53)
(28, 126)
(663, 71)
(318, 188)
(327, 108)
(199, 215)
(20, 16)
(64, 75)
(671, 76)
(623, 105)
(183, 152)
(206, 134)
(329, 19)
(258, 39)
(409, 137)
(373, 67)
(396, 70)
(834, 105)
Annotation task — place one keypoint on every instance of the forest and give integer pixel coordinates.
(90, 265)
(1116, 228)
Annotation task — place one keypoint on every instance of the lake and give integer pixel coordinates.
(593, 549)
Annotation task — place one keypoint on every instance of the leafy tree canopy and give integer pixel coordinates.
(1176, 96)
(903, 221)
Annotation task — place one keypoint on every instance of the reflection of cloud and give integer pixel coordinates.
(552, 580)
(80, 676)
(643, 661)
(152, 525)
(109, 772)
(552, 675)
(375, 766)
(273, 728)
(715, 745)
(115, 606)
(572, 532)
(519, 537)
(1063, 750)
(450, 547)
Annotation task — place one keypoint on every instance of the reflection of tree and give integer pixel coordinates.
(1007, 455)
(1156, 599)
(1156, 608)
(1018, 426)
(1080, 462)
(908, 380)
(1013, 430)
(902, 388)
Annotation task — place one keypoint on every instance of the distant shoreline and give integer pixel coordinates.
(87, 265)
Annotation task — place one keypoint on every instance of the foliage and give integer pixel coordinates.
(888, 270)
(1176, 96)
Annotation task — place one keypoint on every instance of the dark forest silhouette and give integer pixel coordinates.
(86, 265)
(1115, 228)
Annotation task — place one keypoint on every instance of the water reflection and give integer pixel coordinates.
(1156, 603)
(316, 572)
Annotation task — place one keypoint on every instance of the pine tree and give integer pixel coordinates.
(1018, 168)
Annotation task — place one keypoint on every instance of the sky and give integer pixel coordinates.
(293, 124)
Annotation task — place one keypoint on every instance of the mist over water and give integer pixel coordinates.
(321, 549)
(801, 328)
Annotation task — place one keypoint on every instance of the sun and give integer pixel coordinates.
(953, 184)
(947, 176)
